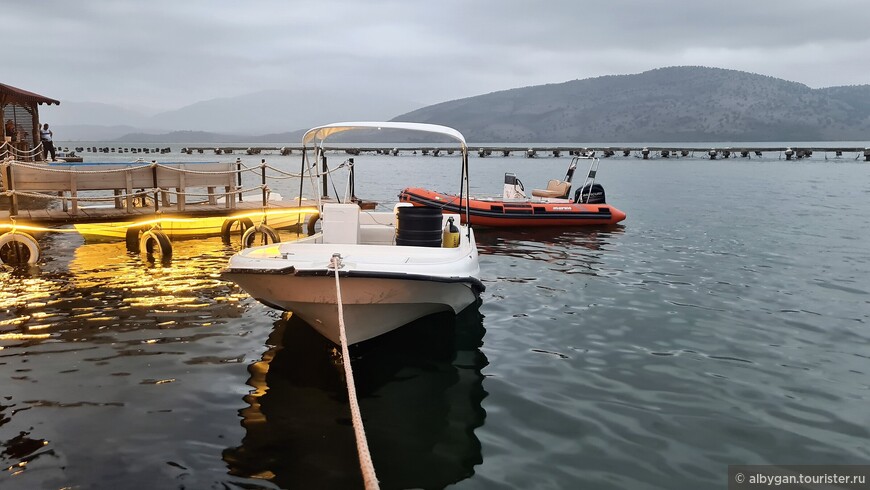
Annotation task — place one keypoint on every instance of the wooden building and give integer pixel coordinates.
(20, 110)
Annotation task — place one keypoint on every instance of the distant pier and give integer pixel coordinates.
(796, 152)
(646, 152)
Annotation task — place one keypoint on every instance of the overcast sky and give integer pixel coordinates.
(164, 54)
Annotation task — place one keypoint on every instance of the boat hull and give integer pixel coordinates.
(383, 286)
(372, 306)
(520, 213)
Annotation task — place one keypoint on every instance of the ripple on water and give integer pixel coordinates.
(648, 355)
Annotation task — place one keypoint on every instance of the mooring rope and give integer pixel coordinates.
(362, 447)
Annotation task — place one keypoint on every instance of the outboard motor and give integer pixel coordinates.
(513, 187)
(590, 194)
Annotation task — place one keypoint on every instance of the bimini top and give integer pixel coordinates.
(320, 133)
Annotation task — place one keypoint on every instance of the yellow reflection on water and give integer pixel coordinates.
(188, 227)
(108, 266)
(80, 289)
(23, 336)
(21, 226)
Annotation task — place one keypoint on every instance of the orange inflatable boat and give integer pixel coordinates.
(552, 207)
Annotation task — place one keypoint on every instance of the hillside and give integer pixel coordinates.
(200, 137)
(249, 115)
(677, 104)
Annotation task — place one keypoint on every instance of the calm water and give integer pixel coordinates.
(724, 322)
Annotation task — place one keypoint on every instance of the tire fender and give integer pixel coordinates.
(311, 222)
(269, 235)
(227, 228)
(29, 254)
(155, 242)
(132, 238)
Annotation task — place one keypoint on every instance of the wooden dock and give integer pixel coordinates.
(127, 181)
(143, 203)
(50, 217)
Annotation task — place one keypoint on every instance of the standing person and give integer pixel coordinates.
(47, 144)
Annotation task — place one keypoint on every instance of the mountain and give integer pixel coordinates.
(279, 110)
(198, 137)
(94, 114)
(92, 121)
(676, 104)
(92, 132)
(244, 116)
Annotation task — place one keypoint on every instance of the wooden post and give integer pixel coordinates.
(323, 166)
(182, 188)
(239, 172)
(263, 179)
(73, 193)
(230, 190)
(154, 181)
(10, 181)
(37, 135)
(352, 181)
(128, 177)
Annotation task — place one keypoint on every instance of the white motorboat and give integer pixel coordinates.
(393, 266)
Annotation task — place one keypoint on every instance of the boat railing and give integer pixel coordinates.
(590, 176)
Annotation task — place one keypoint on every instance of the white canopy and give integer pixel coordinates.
(322, 132)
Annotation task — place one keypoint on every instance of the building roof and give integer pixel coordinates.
(14, 95)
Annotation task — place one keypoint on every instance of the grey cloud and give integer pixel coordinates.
(165, 54)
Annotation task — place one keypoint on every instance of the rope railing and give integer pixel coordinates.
(283, 173)
(237, 191)
(149, 192)
(140, 192)
(8, 149)
(48, 168)
(243, 168)
(267, 172)
(42, 195)
(200, 172)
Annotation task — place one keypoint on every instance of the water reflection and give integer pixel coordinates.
(511, 241)
(570, 250)
(86, 340)
(19, 451)
(104, 287)
(420, 389)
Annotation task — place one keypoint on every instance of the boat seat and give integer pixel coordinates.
(555, 188)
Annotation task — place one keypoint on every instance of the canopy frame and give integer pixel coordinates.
(317, 137)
